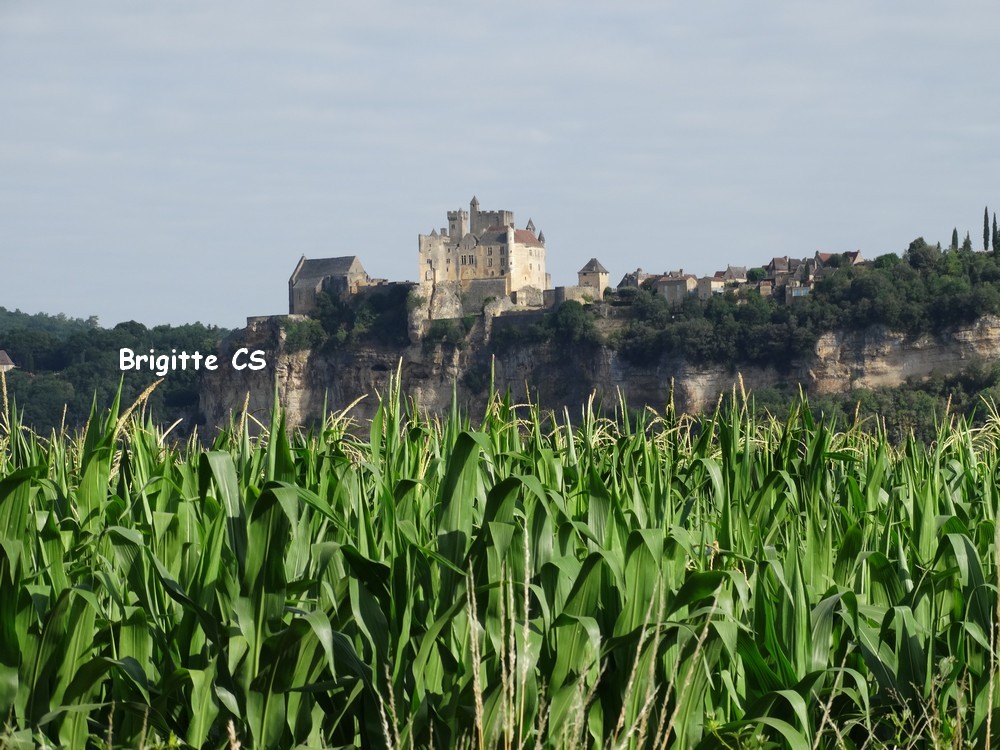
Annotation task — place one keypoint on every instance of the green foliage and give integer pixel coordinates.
(414, 300)
(378, 315)
(924, 292)
(571, 324)
(476, 377)
(644, 581)
(451, 331)
(302, 335)
(58, 325)
(986, 229)
(66, 363)
(916, 408)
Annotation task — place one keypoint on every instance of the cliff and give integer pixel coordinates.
(307, 381)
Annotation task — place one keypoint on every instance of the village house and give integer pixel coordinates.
(735, 275)
(676, 286)
(822, 260)
(709, 285)
(634, 279)
(6, 364)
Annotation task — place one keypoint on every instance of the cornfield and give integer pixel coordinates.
(540, 580)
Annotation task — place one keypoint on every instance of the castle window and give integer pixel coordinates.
(490, 262)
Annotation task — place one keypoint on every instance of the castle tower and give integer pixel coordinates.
(458, 224)
(594, 275)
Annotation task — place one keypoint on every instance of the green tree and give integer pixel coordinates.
(967, 243)
(954, 239)
(920, 254)
(996, 236)
(986, 229)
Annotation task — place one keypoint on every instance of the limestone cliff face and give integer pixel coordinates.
(878, 357)
(558, 375)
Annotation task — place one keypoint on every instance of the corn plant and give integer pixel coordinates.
(606, 579)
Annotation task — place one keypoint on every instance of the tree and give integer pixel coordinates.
(954, 239)
(986, 229)
(967, 243)
(996, 236)
(920, 254)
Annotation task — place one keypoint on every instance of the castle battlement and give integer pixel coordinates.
(484, 245)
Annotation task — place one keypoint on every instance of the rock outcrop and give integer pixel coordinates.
(308, 382)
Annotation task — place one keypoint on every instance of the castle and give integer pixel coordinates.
(484, 245)
(478, 259)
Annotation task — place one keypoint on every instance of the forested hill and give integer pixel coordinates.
(67, 361)
(925, 290)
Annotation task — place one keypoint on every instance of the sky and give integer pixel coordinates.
(169, 162)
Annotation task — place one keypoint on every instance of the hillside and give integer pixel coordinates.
(901, 335)
(64, 365)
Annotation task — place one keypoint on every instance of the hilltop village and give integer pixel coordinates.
(481, 262)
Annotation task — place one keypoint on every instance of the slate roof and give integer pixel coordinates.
(318, 268)
(5, 360)
(634, 278)
(593, 266)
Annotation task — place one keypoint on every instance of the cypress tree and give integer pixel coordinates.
(967, 243)
(986, 229)
(954, 239)
(996, 237)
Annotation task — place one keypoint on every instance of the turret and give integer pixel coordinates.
(458, 224)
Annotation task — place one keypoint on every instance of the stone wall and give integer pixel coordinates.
(528, 296)
(582, 294)
(479, 291)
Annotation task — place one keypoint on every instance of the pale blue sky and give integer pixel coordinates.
(170, 162)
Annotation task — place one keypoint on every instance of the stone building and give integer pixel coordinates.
(594, 275)
(635, 279)
(676, 286)
(338, 277)
(478, 245)
(710, 285)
